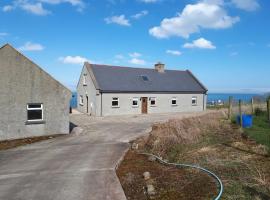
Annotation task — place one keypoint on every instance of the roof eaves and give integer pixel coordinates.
(92, 75)
(197, 80)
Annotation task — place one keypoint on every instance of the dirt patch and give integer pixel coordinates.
(170, 182)
(8, 144)
(209, 141)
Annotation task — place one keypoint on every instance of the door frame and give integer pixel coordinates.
(144, 105)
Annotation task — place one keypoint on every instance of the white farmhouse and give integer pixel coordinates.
(112, 90)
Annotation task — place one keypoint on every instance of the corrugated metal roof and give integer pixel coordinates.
(128, 79)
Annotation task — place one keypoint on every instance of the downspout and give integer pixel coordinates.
(101, 105)
(204, 102)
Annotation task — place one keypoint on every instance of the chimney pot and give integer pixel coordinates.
(159, 67)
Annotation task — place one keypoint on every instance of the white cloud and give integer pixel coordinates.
(76, 3)
(200, 43)
(36, 6)
(207, 15)
(120, 20)
(135, 55)
(29, 46)
(174, 52)
(3, 34)
(8, 8)
(248, 5)
(36, 9)
(140, 14)
(235, 53)
(137, 61)
(149, 1)
(77, 60)
(119, 57)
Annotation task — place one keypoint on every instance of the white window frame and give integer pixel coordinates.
(116, 99)
(174, 99)
(84, 79)
(41, 108)
(81, 100)
(153, 99)
(196, 101)
(137, 100)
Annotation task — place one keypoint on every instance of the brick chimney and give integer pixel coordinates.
(159, 67)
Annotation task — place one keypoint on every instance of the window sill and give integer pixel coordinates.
(135, 106)
(153, 105)
(115, 106)
(194, 104)
(35, 122)
(174, 105)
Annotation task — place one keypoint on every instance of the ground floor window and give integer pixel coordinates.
(135, 102)
(81, 100)
(152, 101)
(194, 101)
(174, 101)
(34, 112)
(115, 102)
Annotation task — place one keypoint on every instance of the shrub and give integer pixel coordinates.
(258, 111)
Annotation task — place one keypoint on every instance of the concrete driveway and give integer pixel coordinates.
(74, 167)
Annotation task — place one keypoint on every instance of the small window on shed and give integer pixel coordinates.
(115, 102)
(34, 112)
(174, 101)
(194, 101)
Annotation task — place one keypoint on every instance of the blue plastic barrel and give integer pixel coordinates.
(247, 120)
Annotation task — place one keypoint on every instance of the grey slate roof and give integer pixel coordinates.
(128, 79)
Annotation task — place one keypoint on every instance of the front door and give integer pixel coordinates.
(144, 105)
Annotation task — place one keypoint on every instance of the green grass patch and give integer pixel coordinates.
(260, 130)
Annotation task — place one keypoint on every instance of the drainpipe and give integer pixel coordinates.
(101, 105)
(204, 102)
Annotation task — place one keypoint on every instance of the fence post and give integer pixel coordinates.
(230, 108)
(240, 113)
(268, 110)
(252, 106)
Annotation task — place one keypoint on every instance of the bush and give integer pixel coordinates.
(258, 111)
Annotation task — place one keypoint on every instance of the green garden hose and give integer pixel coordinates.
(192, 166)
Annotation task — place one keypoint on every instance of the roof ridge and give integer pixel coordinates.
(106, 65)
(7, 44)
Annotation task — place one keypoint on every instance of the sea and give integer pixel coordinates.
(212, 97)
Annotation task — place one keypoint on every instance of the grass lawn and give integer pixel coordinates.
(260, 130)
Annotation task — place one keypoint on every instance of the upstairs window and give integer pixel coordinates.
(81, 100)
(34, 112)
(84, 79)
(174, 101)
(194, 101)
(115, 102)
(135, 102)
(152, 101)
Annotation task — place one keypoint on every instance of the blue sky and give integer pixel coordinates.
(226, 43)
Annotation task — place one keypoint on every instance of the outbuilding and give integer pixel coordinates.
(32, 103)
